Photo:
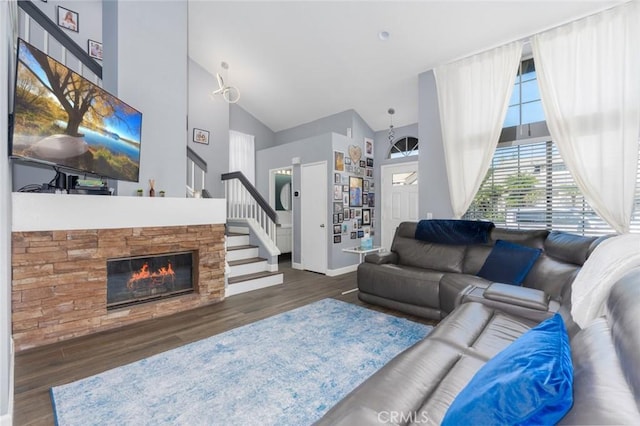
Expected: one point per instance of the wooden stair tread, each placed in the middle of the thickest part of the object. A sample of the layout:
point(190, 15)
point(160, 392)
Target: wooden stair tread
point(247, 277)
point(246, 261)
point(244, 247)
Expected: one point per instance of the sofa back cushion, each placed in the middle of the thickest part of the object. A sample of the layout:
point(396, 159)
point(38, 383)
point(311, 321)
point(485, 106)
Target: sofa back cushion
point(420, 254)
point(569, 248)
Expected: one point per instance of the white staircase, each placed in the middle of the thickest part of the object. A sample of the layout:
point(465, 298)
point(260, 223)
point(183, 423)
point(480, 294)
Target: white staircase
point(247, 271)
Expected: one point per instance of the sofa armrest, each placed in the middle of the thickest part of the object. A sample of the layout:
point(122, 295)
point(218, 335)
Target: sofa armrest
point(382, 258)
point(519, 296)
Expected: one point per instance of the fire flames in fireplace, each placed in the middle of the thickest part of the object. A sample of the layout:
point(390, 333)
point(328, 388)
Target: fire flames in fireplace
point(145, 279)
point(141, 279)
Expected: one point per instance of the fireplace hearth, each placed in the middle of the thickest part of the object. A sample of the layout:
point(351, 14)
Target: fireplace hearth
point(135, 280)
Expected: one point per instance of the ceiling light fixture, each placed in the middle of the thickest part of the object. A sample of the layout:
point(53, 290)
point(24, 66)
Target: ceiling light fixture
point(229, 93)
point(391, 135)
point(384, 35)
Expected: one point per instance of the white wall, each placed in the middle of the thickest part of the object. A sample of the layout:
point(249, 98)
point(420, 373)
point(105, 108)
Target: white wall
point(149, 73)
point(6, 356)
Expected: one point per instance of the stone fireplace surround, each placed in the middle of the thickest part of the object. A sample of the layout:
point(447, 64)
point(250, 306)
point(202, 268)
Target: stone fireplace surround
point(60, 247)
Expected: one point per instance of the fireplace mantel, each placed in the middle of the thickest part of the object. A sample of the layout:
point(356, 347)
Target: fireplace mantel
point(61, 245)
point(54, 212)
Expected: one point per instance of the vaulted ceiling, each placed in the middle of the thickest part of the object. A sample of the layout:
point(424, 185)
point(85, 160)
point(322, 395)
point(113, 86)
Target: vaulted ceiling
point(297, 61)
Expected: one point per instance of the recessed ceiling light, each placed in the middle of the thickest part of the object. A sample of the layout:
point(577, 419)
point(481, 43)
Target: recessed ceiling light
point(384, 35)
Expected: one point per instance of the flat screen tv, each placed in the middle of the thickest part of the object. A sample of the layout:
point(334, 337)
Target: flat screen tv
point(62, 119)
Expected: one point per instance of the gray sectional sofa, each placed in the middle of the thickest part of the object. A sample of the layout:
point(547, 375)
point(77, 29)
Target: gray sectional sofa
point(481, 319)
point(421, 383)
point(429, 280)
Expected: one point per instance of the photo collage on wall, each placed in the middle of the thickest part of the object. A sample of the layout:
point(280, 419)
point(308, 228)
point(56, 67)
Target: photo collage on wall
point(353, 193)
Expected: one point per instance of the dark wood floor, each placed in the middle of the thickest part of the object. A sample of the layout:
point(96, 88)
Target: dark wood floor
point(39, 369)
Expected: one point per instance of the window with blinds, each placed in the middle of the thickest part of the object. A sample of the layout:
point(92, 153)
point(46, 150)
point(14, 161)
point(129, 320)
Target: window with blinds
point(529, 187)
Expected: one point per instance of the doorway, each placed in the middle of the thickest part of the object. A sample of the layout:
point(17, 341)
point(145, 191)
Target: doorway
point(280, 199)
point(399, 196)
point(313, 216)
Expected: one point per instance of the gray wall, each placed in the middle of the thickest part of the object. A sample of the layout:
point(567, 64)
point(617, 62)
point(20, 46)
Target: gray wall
point(5, 222)
point(90, 27)
point(433, 181)
point(212, 114)
point(151, 70)
point(336, 123)
point(242, 121)
point(310, 150)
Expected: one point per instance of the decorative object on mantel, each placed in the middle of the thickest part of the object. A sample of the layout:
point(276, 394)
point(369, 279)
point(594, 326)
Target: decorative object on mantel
point(140, 192)
point(229, 93)
point(162, 193)
point(201, 136)
point(152, 191)
point(355, 153)
point(391, 135)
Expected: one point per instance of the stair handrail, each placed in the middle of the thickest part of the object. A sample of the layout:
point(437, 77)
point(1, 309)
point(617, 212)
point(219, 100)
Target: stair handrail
point(54, 31)
point(264, 205)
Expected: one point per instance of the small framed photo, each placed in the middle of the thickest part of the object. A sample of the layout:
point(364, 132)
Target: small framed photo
point(353, 235)
point(347, 214)
point(345, 199)
point(365, 199)
point(337, 239)
point(338, 161)
point(369, 172)
point(366, 217)
point(68, 19)
point(345, 188)
point(94, 49)
point(338, 208)
point(362, 163)
point(360, 234)
point(347, 161)
point(365, 188)
point(372, 199)
point(337, 229)
point(201, 136)
point(340, 217)
point(368, 146)
point(337, 178)
point(369, 162)
point(337, 192)
point(335, 218)
point(355, 191)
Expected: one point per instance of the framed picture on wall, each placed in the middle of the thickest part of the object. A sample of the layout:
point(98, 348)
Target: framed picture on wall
point(355, 191)
point(366, 217)
point(201, 136)
point(365, 188)
point(337, 192)
point(368, 147)
point(94, 49)
point(338, 161)
point(369, 162)
point(337, 239)
point(68, 19)
point(337, 178)
point(338, 207)
point(365, 199)
point(337, 229)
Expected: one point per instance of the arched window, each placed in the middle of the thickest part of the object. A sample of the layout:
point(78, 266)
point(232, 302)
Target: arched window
point(404, 147)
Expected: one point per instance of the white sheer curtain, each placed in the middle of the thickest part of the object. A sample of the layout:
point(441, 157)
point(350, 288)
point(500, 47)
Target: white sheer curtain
point(473, 96)
point(589, 78)
point(242, 154)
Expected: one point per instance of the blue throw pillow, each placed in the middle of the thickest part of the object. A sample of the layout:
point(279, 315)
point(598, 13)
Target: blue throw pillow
point(530, 382)
point(509, 263)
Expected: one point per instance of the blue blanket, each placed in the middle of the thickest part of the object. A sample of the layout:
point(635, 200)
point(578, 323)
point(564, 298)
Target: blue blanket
point(454, 231)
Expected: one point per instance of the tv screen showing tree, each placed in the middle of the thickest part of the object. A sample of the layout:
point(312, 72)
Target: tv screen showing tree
point(62, 118)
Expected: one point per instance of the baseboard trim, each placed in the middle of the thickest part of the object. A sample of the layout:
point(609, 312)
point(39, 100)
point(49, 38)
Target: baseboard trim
point(7, 419)
point(341, 271)
point(297, 266)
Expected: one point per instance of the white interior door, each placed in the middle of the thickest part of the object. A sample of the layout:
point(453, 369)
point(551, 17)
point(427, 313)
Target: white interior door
point(313, 217)
point(399, 197)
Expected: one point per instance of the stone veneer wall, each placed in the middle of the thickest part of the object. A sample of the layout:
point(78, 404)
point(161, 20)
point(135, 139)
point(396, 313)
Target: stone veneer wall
point(59, 286)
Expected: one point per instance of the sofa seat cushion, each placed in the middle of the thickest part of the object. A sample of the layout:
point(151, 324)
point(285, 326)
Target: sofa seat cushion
point(406, 284)
point(451, 286)
point(424, 379)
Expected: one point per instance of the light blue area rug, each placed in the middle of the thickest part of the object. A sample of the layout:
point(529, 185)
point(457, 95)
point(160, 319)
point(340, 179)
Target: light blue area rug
point(288, 369)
